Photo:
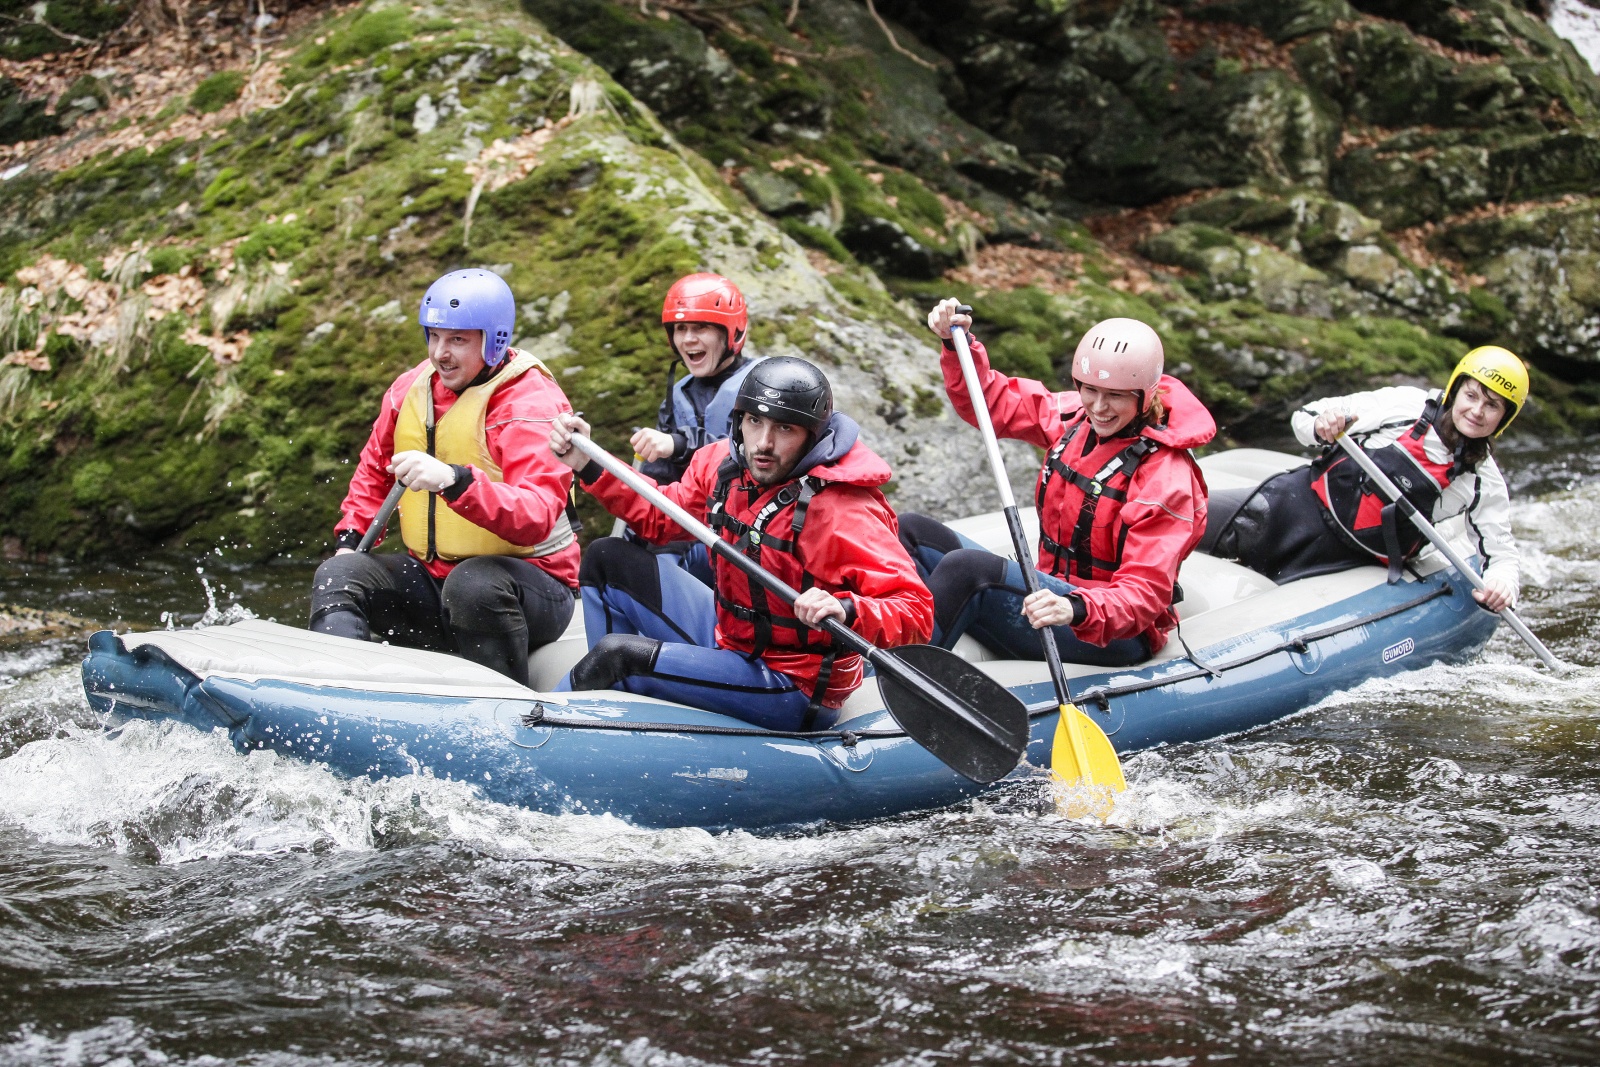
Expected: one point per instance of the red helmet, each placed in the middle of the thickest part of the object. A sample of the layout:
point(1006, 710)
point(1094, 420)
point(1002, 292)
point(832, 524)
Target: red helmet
point(707, 298)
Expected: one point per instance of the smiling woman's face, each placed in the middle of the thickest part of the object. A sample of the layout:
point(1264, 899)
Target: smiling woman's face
point(1477, 410)
point(1109, 410)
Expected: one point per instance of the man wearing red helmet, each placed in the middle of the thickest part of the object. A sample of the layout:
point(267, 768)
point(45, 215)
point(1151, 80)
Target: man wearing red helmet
point(706, 320)
point(1120, 498)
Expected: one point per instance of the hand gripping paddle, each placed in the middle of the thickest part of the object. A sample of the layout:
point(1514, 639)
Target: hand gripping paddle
point(1082, 760)
point(1409, 510)
point(969, 721)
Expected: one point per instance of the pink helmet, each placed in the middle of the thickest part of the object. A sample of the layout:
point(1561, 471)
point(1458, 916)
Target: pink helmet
point(1120, 354)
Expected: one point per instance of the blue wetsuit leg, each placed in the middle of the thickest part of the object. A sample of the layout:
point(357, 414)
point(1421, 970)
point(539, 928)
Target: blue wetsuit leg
point(977, 591)
point(994, 616)
point(629, 590)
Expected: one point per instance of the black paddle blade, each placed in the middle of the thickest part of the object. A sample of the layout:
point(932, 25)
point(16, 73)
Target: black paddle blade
point(973, 724)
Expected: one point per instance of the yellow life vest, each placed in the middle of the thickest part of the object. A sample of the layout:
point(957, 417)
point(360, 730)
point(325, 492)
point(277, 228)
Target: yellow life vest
point(431, 530)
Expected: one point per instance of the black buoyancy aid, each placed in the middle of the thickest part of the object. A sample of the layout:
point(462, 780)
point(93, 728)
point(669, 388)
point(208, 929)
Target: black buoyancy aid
point(751, 614)
point(1363, 516)
point(1087, 550)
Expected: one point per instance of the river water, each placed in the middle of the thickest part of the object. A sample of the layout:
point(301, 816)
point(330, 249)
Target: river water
point(1406, 873)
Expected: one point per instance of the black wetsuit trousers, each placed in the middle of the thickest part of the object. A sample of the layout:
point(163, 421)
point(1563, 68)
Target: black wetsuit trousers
point(492, 610)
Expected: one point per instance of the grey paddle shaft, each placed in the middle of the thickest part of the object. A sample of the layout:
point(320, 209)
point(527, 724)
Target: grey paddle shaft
point(1392, 491)
point(619, 527)
point(381, 522)
point(980, 408)
point(883, 661)
point(1019, 540)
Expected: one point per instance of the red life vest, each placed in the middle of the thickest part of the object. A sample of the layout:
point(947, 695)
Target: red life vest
point(1366, 519)
point(747, 614)
point(1079, 498)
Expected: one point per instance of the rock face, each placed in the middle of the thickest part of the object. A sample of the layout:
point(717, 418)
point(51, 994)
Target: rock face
point(210, 264)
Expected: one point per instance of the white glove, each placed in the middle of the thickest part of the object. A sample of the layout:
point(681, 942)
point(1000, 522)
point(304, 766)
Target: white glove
point(422, 472)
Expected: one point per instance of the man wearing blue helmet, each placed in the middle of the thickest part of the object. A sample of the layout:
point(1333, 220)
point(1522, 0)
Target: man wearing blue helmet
point(491, 556)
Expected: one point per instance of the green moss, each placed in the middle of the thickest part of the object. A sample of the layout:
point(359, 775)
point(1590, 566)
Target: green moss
point(818, 238)
point(217, 91)
point(279, 240)
point(370, 32)
point(169, 260)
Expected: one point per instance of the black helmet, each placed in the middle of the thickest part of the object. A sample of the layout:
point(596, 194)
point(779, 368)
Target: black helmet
point(787, 389)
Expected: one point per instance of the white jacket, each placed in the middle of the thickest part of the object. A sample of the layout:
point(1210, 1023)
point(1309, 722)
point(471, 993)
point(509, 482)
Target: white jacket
point(1479, 499)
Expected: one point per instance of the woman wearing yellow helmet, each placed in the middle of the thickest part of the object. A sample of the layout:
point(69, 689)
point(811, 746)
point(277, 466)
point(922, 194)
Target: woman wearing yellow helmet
point(1438, 446)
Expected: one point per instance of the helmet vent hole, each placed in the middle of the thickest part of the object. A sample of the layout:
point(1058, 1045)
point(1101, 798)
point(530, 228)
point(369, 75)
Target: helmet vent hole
point(455, 303)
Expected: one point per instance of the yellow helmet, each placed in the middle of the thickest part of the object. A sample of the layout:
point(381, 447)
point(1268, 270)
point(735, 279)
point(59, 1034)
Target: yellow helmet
point(1497, 369)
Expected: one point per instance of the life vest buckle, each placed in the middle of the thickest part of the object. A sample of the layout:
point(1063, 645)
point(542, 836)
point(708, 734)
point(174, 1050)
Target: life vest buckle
point(1096, 488)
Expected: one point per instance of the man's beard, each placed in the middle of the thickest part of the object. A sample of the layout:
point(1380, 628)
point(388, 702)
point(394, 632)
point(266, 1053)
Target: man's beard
point(778, 475)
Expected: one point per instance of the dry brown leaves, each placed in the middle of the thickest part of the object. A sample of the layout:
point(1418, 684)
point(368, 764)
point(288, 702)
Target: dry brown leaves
point(1246, 45)
point(1415, 241)
point(153, 71)
point(1005, 267)
point(107, 314)
point(1123, 231)
point(823, 263)
point(808, 167)
point(505, 162)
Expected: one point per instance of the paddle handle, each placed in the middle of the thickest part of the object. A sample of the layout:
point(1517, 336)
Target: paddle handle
point(1019, 537)
point(980, 408)
point(1407, 508)
point(881, 660)
point(381, 521)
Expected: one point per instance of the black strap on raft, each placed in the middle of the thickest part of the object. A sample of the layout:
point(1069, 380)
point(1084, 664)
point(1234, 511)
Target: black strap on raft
point(749, 538)
point(1083, 562)
point(1100, 696)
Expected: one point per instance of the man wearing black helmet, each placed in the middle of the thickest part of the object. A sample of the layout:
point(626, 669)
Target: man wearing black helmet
point(793, 489)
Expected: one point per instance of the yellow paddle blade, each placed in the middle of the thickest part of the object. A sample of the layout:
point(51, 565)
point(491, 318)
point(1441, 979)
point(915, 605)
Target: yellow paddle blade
point(1085, 772)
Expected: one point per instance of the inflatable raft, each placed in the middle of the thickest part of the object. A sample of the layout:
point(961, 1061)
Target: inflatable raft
point(1256, 652)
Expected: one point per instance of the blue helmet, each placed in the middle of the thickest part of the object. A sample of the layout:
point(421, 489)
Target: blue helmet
point(472, 300)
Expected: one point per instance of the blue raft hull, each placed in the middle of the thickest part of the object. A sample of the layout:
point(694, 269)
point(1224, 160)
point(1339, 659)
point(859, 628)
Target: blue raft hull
point(655, 776)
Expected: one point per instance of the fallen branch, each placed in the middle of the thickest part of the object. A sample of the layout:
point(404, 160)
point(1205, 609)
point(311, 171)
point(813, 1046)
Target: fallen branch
point(896, 45)
point(42, 24)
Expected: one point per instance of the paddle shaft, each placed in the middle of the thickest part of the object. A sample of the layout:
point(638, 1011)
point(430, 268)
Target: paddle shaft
point(618, 528)
point(880, 659)
point(381, 521)
point(1409, 510)
point(1019, 539)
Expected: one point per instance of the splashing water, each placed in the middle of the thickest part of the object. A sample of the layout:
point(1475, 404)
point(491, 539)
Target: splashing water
point(1403, 873)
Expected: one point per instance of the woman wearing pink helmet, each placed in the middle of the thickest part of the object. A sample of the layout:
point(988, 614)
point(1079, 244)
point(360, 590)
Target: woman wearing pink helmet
point(1121, 503)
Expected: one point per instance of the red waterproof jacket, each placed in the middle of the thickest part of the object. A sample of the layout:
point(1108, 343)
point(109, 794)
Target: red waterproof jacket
point(1127, 565)
point(523, 508)
point(848, 545)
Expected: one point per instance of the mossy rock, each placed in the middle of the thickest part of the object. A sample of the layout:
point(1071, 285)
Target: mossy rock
point(1282, 20)
point(23, 118)
point(217, 91)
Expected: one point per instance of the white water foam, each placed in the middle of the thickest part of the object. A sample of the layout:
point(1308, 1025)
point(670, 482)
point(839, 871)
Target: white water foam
point(1579, 23)
point(169, 792)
